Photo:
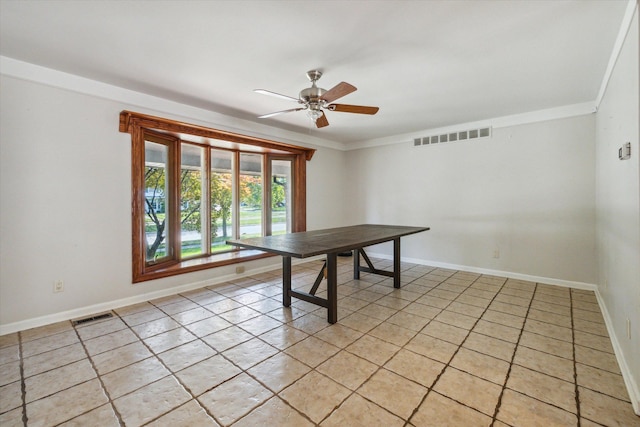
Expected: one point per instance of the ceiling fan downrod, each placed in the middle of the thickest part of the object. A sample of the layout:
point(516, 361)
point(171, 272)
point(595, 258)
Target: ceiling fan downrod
point(312, 96)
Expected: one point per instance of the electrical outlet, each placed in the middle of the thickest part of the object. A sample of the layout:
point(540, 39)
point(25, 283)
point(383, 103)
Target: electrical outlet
point(240, 269)
point(496, 253)
point(58, 286)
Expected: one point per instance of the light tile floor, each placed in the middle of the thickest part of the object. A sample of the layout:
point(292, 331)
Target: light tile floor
point(449, 348)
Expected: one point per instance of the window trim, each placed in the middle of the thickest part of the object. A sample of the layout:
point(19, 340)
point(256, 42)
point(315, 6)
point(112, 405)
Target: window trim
point(138, 124)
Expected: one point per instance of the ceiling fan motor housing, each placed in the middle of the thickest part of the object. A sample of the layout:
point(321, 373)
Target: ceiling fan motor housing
point(312, 95)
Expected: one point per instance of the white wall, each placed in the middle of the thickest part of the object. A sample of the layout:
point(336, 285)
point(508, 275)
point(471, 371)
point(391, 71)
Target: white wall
point(325, 188)
point(551, 197)
point(527, 192)
point(65, 186)
point(618, 206)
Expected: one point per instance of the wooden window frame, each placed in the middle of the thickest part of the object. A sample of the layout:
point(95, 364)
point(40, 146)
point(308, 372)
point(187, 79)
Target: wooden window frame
point(138, 125)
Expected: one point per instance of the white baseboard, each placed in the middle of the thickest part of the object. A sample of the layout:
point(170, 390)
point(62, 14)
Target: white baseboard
point(507, 274)
point(112, 305)
point(629, 381)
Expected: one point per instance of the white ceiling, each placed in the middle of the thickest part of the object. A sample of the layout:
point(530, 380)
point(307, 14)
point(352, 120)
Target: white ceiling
point(426, 64)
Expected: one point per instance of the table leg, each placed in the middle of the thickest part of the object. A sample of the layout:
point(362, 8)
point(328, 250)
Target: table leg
point(396, 263)
point(332, 288)
point(356, 264)
point(286, 281)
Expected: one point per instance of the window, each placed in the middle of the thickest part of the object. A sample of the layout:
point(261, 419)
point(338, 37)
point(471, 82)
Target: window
point(221, 183)
point(251, 195)
point(194, 188)
point(156, 188)
point(281, 182)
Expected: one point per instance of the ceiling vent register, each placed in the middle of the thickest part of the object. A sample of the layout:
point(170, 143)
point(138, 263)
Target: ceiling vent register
point(463, 135)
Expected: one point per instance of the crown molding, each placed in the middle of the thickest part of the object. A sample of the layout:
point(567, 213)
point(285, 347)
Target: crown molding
point(154, 105)
point(617, 47)
point(562, 112)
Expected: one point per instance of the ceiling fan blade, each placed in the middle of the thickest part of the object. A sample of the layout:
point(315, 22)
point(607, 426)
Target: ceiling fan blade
point(358, 109)
point(277, 95)
point(338, 91)
point(322, 121)
point(281, 112)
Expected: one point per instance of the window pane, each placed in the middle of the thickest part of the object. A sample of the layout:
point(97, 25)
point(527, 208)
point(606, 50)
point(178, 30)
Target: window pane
point(250, 195)
point(155, 193)
point(191, 209)
point(281, 196)
point(221, 199)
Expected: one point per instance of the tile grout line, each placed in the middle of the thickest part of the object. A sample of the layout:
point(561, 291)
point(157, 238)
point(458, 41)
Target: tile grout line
point(246, 371)
point(513, 356)
point(171, 373)
point(102, 386)
point(381, 366)
point(575, 367)
point(448, 364)
point(430, 388)
point(23, 384)
point(314, 369)
point(25, 416)
point(465, 339)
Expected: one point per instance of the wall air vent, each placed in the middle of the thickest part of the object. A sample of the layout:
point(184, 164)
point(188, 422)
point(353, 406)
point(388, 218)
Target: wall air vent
point(463, 135)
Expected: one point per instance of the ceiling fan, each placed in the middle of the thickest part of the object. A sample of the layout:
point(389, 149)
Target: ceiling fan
point(316, 100)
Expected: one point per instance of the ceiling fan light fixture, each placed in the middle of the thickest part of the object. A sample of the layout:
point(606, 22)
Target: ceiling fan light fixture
point(314, 114)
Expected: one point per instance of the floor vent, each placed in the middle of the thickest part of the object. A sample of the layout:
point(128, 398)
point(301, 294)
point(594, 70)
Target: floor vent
point(463, 135)
point(92, 319)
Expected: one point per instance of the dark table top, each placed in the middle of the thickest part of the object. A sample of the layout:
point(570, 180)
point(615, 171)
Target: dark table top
point(311, 243)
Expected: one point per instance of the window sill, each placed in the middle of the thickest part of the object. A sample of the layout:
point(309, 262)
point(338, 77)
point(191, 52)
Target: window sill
point(197, 264)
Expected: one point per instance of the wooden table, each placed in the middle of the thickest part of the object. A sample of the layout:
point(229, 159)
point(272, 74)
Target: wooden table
point(330, 242)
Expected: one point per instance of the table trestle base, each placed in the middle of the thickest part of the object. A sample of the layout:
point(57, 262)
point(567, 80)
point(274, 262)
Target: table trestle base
point(357, 268)
point(328, 270)
point(321, 275)
point(330, 242)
